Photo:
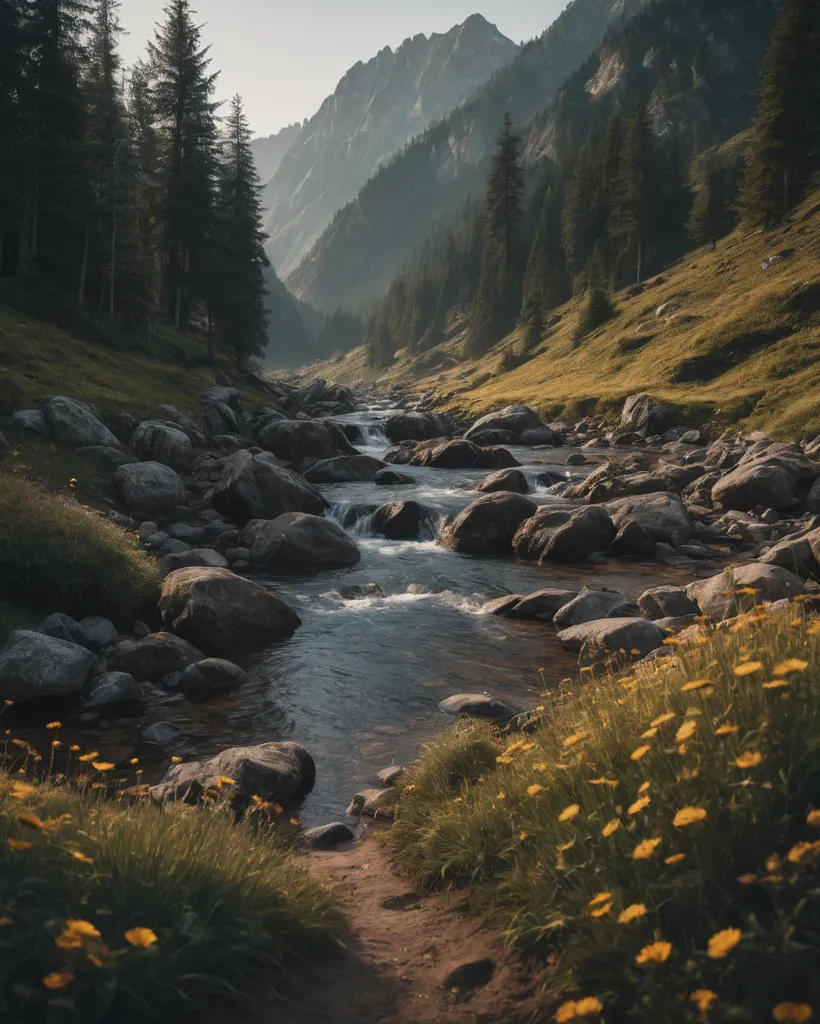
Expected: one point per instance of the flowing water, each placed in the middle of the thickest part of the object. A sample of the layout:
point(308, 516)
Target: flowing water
point(359, 684)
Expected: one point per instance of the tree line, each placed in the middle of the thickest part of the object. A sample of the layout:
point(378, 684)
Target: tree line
point(607, 212)
point(127, 188)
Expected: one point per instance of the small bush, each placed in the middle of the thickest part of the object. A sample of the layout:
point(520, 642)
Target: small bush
point(597, 309)
point(56, 556)
point(115, 912)
point(679, 804)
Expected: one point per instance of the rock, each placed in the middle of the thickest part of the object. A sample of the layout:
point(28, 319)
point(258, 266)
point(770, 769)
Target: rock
point(400, 454)
point(224, 395)
point(344, 468)
point(718, 597)
point(112, 688)
point(661, 515)
point(296, 542)
point(663, 602)
point(149, 487)
point(154, 656)
point(374, 803)
point(298, 440)
point(502, 606)
point(63, 627)
point(75, 425)
point(189, 426)
point(512, 480)
point(210, 677)
point(190, 534)
point(539, 436)
point(675, 623)
point(612, 636)
point(644, 415)
point(469, 976)
point(106, 458)
point(590, 605)
point(34, 665)
point(392, 478)
point(158, 442)
point(632, 541)
point(220, 419)
point(477, 705)
point(5, 447)
point(324, 837)
point(491, 438)
point(161, 734)
point(797, 554)
point(252, 487)
point(463, 455)
point(564, 535)
point(196, 557)
point(31, 421)
point(542, 605)
point(389, 776)
point(415, 426)
point(399, 520)
point(755, 484)
point(576, 459)
point(515, 418)
point(488, 525)
point(277, 772)
point(358, 591)
point(223, 612)
point(98, 632)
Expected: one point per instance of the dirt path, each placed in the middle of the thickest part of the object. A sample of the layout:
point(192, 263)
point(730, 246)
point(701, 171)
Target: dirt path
point(401, 949)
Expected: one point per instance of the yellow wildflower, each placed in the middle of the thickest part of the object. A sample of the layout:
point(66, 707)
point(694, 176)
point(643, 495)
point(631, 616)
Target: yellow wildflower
point(747, 668)
point(723, 942)
point(140, 937)
point(19, 845)
point(776, 684)
point(703, 999)
point(747, 879)
point(813, 819)
point(790, 665)
point(800, 851)
point(645, 849)
point(569, 813)
point(751, 759)
point(603, 910)
point(602, 897)
point(792, 1013)
point(534, 790)
point(566, 846)
point(81, 857)
point(584, 1007)
point(58, 980)
point(567, 1011)
point(696, 684)
point(686, 731)
point(29, 820)
point(102, 766)
point(649, 734)
point(689, 816)
point(540, 766)
point(644, 786)
point(54, 725)
point(727, 730)
point(76, 933)
point(176, 760)
point(576, 737)
point(663, 719)
point(90, 756)
point(612, 783)
point(632, 913)
point(654, 953)
point(22, 791)
point(639, 805)
point(610, 827)
point(639, 753)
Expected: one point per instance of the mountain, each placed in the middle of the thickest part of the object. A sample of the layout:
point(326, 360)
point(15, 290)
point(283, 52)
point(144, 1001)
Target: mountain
point(430, 179)
point(269, 151)
point(376, 109)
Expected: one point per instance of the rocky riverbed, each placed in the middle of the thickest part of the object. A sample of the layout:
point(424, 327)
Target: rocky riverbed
point(339, 565)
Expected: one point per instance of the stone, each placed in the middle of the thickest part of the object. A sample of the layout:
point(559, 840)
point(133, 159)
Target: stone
point(661, 515)
point(415, 426)
point(185, 559)
point(675, 623)
point(112, 688)
point(31, 421)
point(34, 665)
point(501, 606)
point(488, 525)
point(222, 394)
point(392, 478)
point(187, 532)
point(644, 415)
point(576, 459)
point(463, 454)
point(98, 632)
point(797, 554)
point(399, 520)
point(223, 612)
point(748, 486)
point(106, 458)
point(390, 776)
point(161, 734)
point(718, 598)
point(252, 487)
point(662, 602)
point(469, 976)
point(159, 442)
point(491, 438)
point(344, 469)
point(220, 420)
point(210, 677)
point(563, 535)
point(154, 656)
point(477, 705)
point(514, 418)
point(324, 837)
point(590, 605)
point(613, 635)
point(298, 440)
point(542, 605)
point(374, 803)
point(512, 480)
point(632, 541)
point(76, 425)
point(149, 487)
point(297, 542)
point(540, 437)
point(360, 591)
point(63, 627)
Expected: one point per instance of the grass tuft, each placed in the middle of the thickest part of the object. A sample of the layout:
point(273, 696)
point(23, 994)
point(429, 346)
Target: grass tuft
point(658, 833)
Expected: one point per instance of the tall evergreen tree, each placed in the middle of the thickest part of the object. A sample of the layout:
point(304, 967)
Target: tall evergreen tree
point(545, 279)
point(182, 89)
point(12, 86)
point(237, 289)
point(786, 143)
point(713, 213)
point(577, 230)
point(636, 210)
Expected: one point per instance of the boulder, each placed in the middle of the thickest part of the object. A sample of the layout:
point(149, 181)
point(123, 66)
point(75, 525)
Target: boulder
point(542, 605)
point(106, 458)
point(399, 520)
point(415, 426)
point(324, 837)
point(220, 419)
point(374, 803)
point(161, 734)
point(391, 775)
point(154, 656)
point(222, 394)
point(277, 772)
point(666, 602)
point(661, 515)
point(512, 480)
point(463, 454)
point(632, 541)
point(359, 591)
point(298, 440)
point(31, 421)
point(739, 589)
point(34, 665)
point(223, 612)
point(98, 632)
point(753, 484)
point(297, 542)
point(488, 525)
point(501, 606)
point(490, 438)
point(478, 705)
point(76, 425)
point(149, 487)
point(63, 627)
point(515, 419)
point(392, 478)
point(539, 436)
point(210, 677)
point(112, 688)
point(644, 415)
point(344, 469)
point(253, 487)
point(199, 557)
point(159, 442)
point(189, 426)
point(637, 637)
point(564, 535)
point(590, 605)
point(800, 555)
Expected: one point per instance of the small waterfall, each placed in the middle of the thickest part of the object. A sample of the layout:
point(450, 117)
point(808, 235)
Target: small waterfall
point(354, 518)
point(373, 434)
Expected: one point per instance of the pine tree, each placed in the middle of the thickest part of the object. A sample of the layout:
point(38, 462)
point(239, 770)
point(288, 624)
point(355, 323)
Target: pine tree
point(577, 232)
point(182, 88)
point(637, 208)
point(145, 147)
point(237, 288)
point(545, 281)
point(12, 85)
point(786, 139)
point(713, 213)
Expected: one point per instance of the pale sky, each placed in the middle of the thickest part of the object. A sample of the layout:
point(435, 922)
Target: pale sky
point(286, 56)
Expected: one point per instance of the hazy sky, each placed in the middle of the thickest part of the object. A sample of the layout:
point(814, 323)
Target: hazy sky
point(285, 56)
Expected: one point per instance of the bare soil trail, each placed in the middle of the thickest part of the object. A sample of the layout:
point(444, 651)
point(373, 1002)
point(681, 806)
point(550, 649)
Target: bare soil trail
point(401, 948)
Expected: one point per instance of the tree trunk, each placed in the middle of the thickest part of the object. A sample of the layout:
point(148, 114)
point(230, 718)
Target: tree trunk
point(84, 268)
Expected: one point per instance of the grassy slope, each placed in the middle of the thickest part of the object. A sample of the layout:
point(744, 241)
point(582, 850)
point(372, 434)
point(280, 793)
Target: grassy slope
point(755, 335)
point(548, 831)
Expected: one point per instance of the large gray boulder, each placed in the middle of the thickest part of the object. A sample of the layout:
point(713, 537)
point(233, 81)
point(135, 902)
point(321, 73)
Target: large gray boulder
point(210, 677)
point(188, 425)
point(399, 520)
point(76, 425)
point(663, 516)
point(277, 772)
point(222, 612)
point(488, 525)
point(159, 442)
point(753, 484)
point(463, 454)
point(515, 419)
point(564, 535)
point(478, 705)
point(149, 487)
point(739, 589)
point(195, 557)
point(542, 605)
point(643, 414)
point(800, 555)
point(666, 602)
point(31, 421)
point(297, 542)
point(415, 426)
point(154, 656)
point(111, 689)
point(98, 632)
point(254, 487)
point(34, 665)
point(298, 440)
point(590, 605)
point(637, 637)
point(344, 469)
point(504, 480)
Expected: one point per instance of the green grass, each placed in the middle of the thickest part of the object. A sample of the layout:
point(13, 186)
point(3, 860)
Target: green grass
point(56, 555)
point(525, 826)
point(228, 907)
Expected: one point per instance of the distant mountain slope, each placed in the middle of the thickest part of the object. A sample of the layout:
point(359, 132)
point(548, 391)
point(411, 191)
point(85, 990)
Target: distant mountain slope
point(269, 151)
point(376, 109)
point(368, 240)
